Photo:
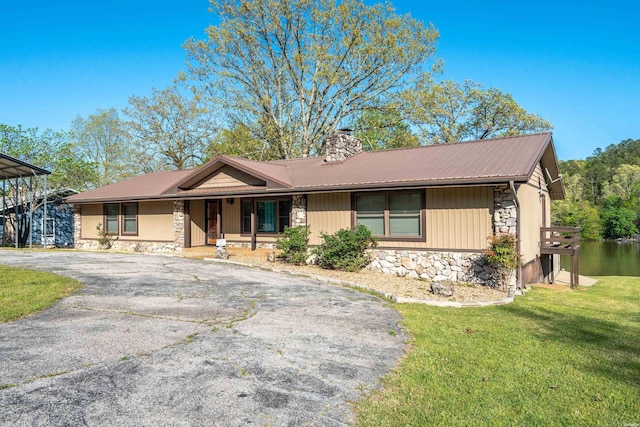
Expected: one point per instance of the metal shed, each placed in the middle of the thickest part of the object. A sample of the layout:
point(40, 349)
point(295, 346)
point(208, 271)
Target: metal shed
point(21, 175)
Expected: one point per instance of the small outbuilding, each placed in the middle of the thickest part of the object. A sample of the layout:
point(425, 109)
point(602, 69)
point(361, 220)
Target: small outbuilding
point(20, 181)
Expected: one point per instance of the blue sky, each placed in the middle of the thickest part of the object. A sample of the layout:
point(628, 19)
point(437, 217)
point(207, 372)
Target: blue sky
point(576, 63)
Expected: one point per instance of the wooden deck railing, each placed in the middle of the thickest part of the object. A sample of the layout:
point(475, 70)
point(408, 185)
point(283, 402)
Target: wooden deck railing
point(562, 241)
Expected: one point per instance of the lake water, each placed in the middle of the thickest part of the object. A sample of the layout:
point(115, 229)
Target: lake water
point(607, 259)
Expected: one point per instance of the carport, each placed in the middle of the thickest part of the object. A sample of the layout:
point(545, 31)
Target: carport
point(18, 193)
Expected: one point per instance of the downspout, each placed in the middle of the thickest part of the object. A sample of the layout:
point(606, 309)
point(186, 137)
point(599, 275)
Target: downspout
point(518, 220)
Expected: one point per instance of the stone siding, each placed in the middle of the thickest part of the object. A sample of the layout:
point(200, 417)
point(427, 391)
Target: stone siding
point(505, 216)
point(468, 267)
point(299, 210)
point(77, 225)
point(341, 145)
point(128, 246)
point(178, 225)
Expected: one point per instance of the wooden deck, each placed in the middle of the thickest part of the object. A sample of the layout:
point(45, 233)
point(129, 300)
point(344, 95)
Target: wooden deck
point(563, 241)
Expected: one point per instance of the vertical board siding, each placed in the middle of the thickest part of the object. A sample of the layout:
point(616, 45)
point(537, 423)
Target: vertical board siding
point(92, 215)
point(538, 176)
point(459, 217)
point(197, 214)
point(231, 217)
point(230, 177)
point(155, 222)
point(327, 213)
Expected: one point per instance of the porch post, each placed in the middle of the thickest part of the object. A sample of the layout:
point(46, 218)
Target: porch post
point(30, 212)
point(253, 227)
point(4, 212)
point(219, 219)
point(15, 209)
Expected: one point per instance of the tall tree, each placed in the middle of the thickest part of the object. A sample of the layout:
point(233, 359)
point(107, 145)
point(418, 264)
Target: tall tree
point(300, 68)
point(449, 112)
point(173, 128)
point(101, 139)
point(380, 129)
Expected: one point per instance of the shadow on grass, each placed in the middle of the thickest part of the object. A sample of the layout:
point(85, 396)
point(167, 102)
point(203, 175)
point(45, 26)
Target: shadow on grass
point(613, 346)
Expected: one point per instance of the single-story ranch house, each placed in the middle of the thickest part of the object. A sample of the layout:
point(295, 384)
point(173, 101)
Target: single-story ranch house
point(431, 207)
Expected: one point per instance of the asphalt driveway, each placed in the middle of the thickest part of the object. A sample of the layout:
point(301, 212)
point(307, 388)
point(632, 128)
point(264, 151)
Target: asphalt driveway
point(155, 340)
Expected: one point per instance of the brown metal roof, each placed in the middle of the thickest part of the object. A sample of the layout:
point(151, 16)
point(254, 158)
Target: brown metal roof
point(487, 161)
point(149, 186)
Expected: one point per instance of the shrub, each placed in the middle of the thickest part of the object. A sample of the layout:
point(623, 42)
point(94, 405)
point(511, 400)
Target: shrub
point(105, 239)
point(502, 253)
point(294, 243)
point(346, 249)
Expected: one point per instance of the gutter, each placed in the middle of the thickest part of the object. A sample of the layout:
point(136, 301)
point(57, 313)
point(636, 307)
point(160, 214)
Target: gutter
point(517, 202)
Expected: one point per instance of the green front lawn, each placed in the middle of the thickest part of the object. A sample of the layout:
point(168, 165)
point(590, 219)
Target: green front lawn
point(24, 292)
point(550, 358)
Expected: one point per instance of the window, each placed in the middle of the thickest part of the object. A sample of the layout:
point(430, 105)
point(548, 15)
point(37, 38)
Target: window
point(111, 212)
point(284, 214)
point(272, 216)
point(247, 208)
point(404, 214)
point(390, 214)
point(130, 218)
point(370, 212)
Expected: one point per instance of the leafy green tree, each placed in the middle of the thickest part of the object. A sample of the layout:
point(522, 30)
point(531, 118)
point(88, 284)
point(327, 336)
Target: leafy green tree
point(577, 213)
point(172, 129)
point(242, 140)
point(300, 68)
point(449, 112)
point(626, 181)
point(617, 220)
point(69, 170)
point(380, 129)
point(49, 150)
point(101, 139)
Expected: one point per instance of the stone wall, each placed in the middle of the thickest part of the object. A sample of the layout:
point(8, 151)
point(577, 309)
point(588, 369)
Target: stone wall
point(77, 224)
point(178, 225)
point(299, 210)
point(341, 145)
point(128, 246)
point(505, 216)
point(468, 267)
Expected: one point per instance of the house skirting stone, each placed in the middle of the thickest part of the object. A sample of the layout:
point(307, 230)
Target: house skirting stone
point(128, 246)
point(457, 267)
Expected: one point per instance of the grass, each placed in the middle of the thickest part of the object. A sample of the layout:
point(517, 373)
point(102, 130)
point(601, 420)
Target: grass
point(550, 358)
point(24, 292)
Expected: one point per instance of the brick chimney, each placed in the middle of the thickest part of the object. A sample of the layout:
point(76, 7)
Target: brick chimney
point(341, 145)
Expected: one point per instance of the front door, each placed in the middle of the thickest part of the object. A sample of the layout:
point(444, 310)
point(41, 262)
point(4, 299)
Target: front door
point(213, 216)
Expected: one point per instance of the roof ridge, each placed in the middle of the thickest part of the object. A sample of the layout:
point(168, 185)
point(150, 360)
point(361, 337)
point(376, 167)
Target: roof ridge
point(445, 144)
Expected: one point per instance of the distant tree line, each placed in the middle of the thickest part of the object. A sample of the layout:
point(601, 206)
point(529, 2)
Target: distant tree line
point(603, 192)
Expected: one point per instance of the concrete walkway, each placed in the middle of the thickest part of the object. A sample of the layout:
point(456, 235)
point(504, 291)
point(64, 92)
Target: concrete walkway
point(564, 278)
point(155, 340)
